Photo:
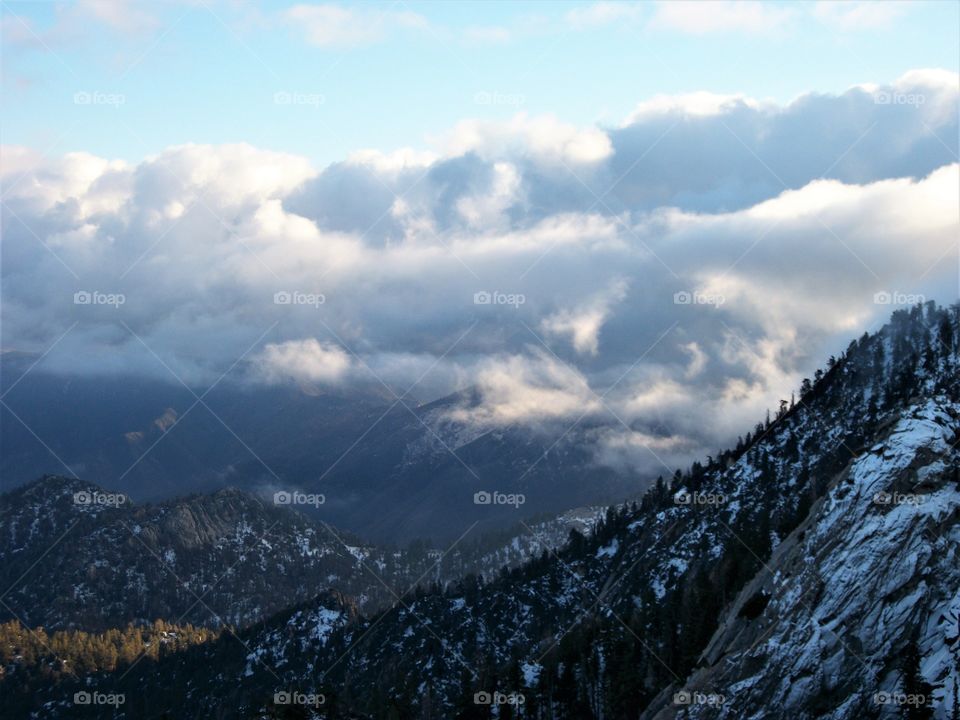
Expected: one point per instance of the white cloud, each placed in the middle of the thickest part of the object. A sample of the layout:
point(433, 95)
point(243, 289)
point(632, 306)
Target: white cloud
point(485, 210)
point(122, 15)
point(697, 104)
point(338, 26)
point(392, 162)
point(701, 18)
point(544, 137)
point(487, 35)
point(582, 324)
point(698, 360)
point(852, 15)
point(529, 388)
point(604, 13)
point(303, 360)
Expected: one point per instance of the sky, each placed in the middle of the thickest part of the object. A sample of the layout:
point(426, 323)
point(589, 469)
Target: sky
point(651, 214)
point(400, 74)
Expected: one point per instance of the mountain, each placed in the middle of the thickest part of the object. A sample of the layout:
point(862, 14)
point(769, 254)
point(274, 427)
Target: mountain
point(808, 572)
point(871, 576)
point(390, 472)
point(73, 555)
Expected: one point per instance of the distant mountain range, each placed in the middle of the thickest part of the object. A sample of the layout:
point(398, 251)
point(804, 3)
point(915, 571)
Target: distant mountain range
point(810, 571)
point(387, 472)
point(224, 558)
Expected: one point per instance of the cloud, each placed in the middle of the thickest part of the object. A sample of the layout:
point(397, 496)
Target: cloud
point(853, 16)
point(583, 323)
point(544, 137)
point(711, 153)
point(534, 387)
point(603, 13)
point(120, 15)
point(486, 209)
point(368, 270)
point(698, 360)
point(701, 18)
point(487, 35)
point(689, 105)
point(80, 22)
point(338, 26)
point(303, 360)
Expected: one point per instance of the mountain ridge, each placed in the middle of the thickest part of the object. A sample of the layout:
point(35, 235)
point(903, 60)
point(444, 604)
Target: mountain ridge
point(619, 619)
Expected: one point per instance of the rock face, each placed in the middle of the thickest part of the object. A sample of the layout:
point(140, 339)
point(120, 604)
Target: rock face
point(874, 569)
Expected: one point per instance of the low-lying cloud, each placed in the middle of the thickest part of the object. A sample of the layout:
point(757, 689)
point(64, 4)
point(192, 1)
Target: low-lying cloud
point(694, 262)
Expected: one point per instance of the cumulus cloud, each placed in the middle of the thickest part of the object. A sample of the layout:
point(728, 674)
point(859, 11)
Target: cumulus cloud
point(545, 138)
point(684, 105)
point(486, 209)
point(697, 260)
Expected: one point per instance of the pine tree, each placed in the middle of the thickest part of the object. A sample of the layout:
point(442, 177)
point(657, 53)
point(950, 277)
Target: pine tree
point(914, 685)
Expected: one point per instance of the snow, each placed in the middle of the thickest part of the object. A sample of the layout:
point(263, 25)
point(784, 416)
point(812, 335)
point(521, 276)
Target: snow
point(326, 621)
point(531, 673)
point(733, 507)
point(609, 550)
point(658, 589)
point(866, 572)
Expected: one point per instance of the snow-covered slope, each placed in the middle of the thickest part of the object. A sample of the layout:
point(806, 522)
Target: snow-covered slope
point(875, 568)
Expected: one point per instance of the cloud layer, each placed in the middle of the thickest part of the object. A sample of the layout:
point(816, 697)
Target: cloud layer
point(692, 263)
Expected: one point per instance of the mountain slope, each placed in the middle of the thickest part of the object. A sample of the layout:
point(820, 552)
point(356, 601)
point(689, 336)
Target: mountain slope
point(228, 557)
point(618, 620)
point(873, 571)
point(208, 559)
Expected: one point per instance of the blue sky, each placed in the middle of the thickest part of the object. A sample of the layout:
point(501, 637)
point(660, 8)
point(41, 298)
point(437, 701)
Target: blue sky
point(390, 75)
